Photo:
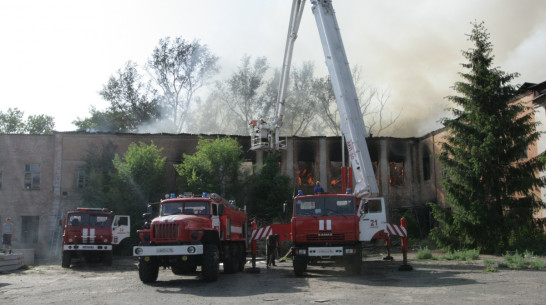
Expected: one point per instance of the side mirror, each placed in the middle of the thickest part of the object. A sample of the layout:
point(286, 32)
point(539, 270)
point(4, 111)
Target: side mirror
point(147, 216)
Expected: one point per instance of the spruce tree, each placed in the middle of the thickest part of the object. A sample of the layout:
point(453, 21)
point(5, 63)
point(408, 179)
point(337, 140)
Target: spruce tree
point(489, 183)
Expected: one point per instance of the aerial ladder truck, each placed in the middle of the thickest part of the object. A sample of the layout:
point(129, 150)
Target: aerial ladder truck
point(332, 226)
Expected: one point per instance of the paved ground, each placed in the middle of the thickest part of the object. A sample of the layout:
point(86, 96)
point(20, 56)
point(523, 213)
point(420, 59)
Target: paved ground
point(431, 282)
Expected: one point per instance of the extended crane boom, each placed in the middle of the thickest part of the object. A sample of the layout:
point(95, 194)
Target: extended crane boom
point(266, 136)
point(352, 122)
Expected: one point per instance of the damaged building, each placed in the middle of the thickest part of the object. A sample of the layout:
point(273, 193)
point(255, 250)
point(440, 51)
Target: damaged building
point(41, 176)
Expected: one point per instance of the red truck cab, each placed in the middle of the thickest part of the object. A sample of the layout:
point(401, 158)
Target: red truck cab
point(90, 233)
point(190, 232)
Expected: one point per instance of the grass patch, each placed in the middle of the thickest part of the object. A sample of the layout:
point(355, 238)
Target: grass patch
point(463, 255)
point(522, 261)
point(489, 266)
point(424, 253)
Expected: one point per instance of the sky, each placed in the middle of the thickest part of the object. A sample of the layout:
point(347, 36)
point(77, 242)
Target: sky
point(55, 56)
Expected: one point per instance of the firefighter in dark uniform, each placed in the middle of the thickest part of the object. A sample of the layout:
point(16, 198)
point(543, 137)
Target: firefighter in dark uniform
point(271, 243)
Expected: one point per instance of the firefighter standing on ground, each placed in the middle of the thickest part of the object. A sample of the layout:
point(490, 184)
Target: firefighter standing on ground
point(271, 244)
point(7, 230)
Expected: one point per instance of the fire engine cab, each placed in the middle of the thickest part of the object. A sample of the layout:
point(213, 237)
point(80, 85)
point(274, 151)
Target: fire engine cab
point(331, 226)
point(190, 232)
point(91, 233)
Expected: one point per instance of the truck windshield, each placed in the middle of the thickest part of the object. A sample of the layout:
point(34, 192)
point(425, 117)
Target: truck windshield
point(97, 220)
point(186, 208)
point(324, 206)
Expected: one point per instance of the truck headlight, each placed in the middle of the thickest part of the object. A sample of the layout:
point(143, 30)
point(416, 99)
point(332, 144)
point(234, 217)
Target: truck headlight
point(350, 251)
point(70, 240)
point(138, 251)
point(191, 249)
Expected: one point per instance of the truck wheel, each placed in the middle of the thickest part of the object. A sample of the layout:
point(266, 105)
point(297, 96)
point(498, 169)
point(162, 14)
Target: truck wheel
point(235, 256)
point(300, 265)
point(148, 269)
point(66, 259)
point(107, 259)
point(242, 257)
point(353, 264)
point(210, 264)
point(230, 259)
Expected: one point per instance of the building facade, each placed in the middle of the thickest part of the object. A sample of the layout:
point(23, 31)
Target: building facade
point(41, 176)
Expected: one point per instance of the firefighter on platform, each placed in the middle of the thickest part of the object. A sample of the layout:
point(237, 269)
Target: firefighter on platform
point(271, 244)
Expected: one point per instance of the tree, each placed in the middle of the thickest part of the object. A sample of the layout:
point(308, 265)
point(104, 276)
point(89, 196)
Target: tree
point(100, 121)
point(99, 175)
point(12, 122)
point(301, 107)
point(372, 103)
point(214, 167)
point(489, 184)
point(268, 190)
point(132, 103)
point(40, 124)
point(180, 68)
point(142, 169)
point(242, 93)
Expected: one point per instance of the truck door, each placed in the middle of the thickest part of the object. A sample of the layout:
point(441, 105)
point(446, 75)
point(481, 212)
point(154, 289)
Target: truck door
point(373, 217)
point(121, 228)
point(216, 217)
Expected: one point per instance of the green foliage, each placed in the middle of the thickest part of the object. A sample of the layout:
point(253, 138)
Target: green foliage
point(522, 261)
point(214, 167)
point(268, 190)
point(489, 266)
point(142, 170)
point(124, 184)
point(424, 253)
point(132, 103)
point(12, 122)
point(464, 255)
point(488, 186)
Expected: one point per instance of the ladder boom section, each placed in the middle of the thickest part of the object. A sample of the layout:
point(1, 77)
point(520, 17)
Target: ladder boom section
point(293, 28)
point(266, 136)
point(352, 122)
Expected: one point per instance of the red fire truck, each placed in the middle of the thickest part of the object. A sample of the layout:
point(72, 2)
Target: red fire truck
point(331, 226)
point(190, 232)
point(91, 232)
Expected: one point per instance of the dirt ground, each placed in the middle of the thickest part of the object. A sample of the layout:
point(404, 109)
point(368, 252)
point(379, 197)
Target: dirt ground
point(430, 282)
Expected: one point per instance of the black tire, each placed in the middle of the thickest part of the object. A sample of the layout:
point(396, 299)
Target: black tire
point(231, 260)
point(107, 259)
point(353, 264)
point(148, 269)
point(66, 259)
point(242, 257)
point(300, 265)
point(236, 255)
point(211, 261)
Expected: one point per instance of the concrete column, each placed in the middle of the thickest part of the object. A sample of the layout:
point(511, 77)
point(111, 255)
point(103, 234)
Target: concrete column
point(323, 163)
point(408, 170)
point(56, 204)
point(259, 160)
point(383, 169)
point(289, 157)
